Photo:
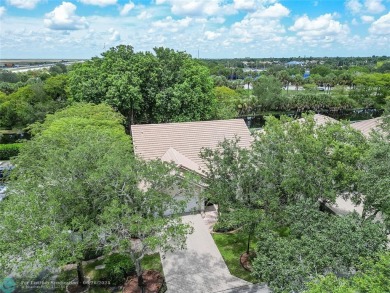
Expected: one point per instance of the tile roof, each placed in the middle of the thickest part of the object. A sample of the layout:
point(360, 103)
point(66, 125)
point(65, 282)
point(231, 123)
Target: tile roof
point(366, 126)
point(182, 142)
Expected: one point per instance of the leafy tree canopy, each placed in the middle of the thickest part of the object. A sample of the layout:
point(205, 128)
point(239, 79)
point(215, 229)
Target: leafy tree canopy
point(315, 243)
point(166, 86)
point(76, 182)
point(373, 276)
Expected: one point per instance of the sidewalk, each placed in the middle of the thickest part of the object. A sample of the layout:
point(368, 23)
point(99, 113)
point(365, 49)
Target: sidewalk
point(200, 268)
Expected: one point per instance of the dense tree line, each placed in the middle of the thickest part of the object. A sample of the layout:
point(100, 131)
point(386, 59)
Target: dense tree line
point(145, 87)
point(169, 86)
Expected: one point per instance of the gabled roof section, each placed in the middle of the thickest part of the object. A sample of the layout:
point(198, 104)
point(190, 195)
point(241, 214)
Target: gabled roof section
point(182, 161)
point(366, 126)
point(182, 142)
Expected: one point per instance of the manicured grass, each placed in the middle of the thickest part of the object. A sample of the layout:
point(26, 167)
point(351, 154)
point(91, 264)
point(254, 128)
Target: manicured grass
point(152, 262)
point(231, 246)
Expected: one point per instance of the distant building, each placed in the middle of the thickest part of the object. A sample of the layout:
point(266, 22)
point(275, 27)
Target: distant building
point(294, 63)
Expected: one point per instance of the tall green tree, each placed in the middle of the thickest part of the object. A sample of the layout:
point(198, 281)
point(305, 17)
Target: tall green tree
point(57, 192)
point(166, 86)
point(235, 184)
point(77, 181)
point(266, 90)
point(301, 159)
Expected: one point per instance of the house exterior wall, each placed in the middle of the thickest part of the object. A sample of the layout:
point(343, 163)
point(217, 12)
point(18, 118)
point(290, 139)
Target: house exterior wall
point(195, 203)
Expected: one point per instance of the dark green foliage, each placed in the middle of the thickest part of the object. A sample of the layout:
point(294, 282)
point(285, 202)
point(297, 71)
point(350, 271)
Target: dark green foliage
point(7, 151)
point(117, 268)
point(32, 102)
point(8, 76)
point(317, 243)
point(167, 86)
point(58, 69)
point(267, 90)
point(373, 276)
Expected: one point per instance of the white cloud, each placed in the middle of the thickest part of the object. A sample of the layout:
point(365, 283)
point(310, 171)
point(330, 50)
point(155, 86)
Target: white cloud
point(354, 6)
point(2, 11)
point(115, 35)
point(100, 3)
point(198, 7)
point(24, 4)
point(245, 4)
point(263, 24)
point(63, 17)
point(367, 18)
point(381, 26)
point(171, 25)
point(145, 15)
point(318, 27)
point(322, 32)
point(211, 35)
point(127, 8)
point(354, 22)
point(275, 11)
point(374, 6)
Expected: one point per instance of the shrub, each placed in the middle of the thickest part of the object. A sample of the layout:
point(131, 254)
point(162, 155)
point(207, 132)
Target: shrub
point(10, 150)
point(117, 268)
point(224, 226)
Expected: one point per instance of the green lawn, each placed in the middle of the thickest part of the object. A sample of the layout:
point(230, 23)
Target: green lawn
point(231, 246)
point(152, 262)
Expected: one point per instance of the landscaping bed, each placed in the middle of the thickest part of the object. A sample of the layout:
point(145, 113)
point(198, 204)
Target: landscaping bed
point(104, 279)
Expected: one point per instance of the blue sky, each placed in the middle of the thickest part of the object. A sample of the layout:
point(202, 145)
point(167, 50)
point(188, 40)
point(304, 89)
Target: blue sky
point(217, 28)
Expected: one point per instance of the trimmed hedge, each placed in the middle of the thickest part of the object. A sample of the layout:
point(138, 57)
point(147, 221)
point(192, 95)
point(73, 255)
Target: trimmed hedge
point(9, 150)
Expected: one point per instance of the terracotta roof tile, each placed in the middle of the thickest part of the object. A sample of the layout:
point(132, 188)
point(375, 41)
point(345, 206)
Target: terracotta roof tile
point(154, 141)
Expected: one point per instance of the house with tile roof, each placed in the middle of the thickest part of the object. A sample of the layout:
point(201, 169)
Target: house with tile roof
point(181, 143)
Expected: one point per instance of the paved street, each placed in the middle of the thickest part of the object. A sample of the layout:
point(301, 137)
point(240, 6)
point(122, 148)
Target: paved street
point(200, 268)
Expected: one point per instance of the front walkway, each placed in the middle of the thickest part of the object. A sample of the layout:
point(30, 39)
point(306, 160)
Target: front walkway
point(200, 268)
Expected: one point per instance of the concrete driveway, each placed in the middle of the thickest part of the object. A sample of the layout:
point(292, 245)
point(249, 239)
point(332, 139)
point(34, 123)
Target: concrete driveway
point(200, 268)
